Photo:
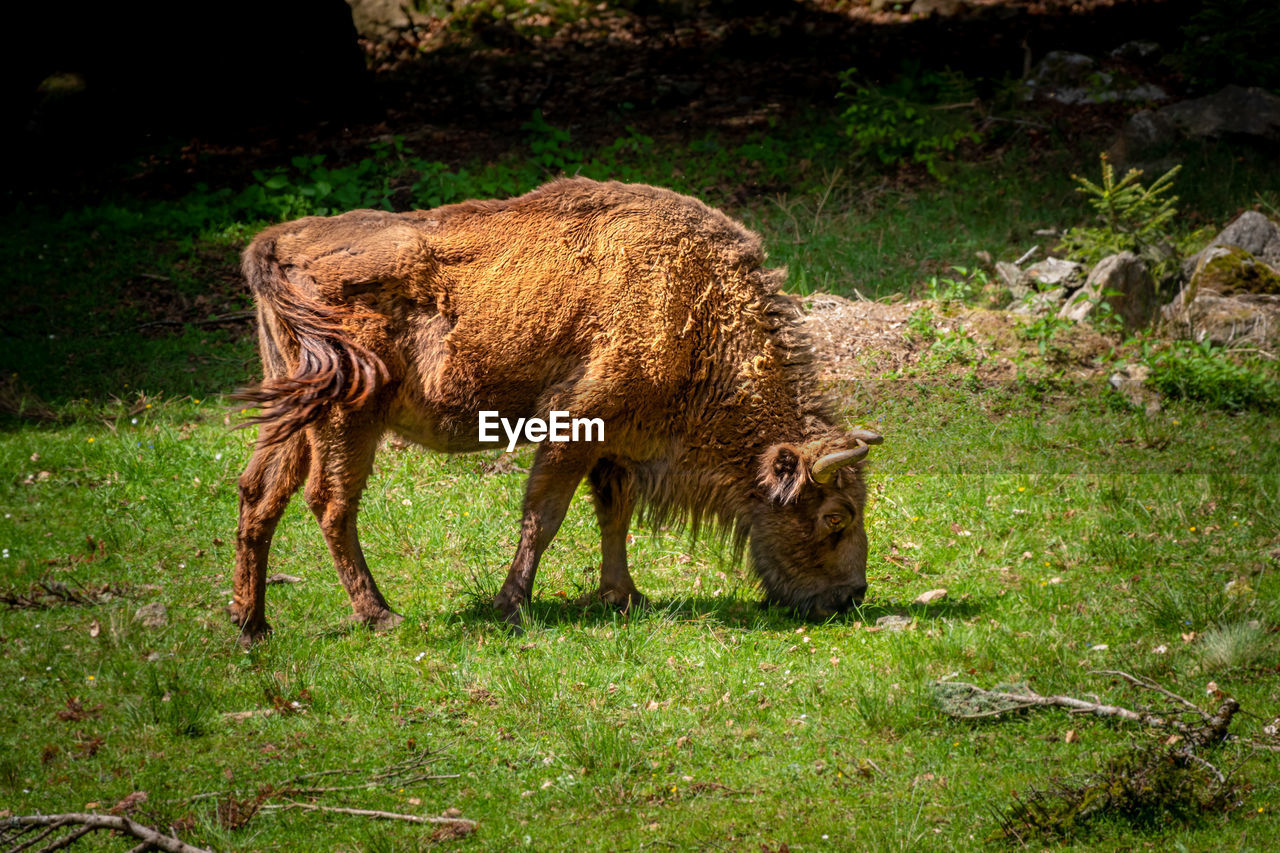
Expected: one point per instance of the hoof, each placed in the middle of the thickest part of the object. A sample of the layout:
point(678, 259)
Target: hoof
point(379, 621)
point(251, 634)
point(623, 599)
point(384, 621)
point(508, 610)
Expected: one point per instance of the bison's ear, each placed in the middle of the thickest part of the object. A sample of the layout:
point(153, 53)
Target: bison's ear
point(782, 472)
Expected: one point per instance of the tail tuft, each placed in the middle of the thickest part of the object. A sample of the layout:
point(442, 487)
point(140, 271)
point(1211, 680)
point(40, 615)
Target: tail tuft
point(330, 369)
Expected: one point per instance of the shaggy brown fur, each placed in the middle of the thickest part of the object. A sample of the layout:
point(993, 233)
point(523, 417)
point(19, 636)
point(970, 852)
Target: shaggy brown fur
point(628, 303)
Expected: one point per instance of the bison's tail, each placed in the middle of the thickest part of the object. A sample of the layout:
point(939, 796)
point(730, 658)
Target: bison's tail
point(294, 328)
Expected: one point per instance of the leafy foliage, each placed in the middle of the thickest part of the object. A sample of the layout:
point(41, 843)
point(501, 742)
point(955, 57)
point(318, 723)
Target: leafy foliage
point(968, 284)
point(921, 325)
point(920, 118)
point(954, 346)
point(1202, 371)
point(1043, 330)
point(1231, 41)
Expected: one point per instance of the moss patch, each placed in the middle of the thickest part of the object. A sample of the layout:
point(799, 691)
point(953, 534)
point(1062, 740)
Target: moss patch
point(1231, 270)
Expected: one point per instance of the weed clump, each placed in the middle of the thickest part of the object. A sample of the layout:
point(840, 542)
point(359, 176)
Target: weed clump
point(1144, 787)
point(1235, 645)
point(1200, 371)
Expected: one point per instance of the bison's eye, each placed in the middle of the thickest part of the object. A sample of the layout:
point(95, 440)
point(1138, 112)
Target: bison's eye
point(835, 520)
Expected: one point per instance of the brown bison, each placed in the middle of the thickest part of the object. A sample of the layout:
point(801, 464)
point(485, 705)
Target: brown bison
point(636, 306)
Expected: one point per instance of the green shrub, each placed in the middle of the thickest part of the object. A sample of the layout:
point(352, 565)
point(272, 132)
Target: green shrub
point(1203, 372)
point(919, 118)
point(967, 284)
point(1231, 41)
point(1130, 218)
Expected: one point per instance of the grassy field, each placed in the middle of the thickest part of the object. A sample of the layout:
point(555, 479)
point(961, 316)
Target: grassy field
point(1072, 533)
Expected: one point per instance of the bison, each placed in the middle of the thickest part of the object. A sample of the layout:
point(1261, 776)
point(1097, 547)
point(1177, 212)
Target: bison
point(634, 305)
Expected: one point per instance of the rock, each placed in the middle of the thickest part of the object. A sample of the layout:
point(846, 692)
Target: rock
point(1250, 231)
point(1228, 270)
point(1248, 113)
point(382, 18)
point(1010, 274)
point(930, 597)
point(1232, 297)
point(1015, 280)
point(941, 8)
point(1130, 381)
point(1254, 233)
point(1246, 318)
point(152, 615)
point(1039, 304)
point(1074, 78)
point(1123, 282)
point(1055, 272)
point(281, 577)
point(1133, 51)
point(893, 622)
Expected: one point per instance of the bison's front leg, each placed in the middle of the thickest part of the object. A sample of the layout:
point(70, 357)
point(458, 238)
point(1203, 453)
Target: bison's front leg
point(557, 470)
point(274, 473)
point(613, 490)
point(342, 453)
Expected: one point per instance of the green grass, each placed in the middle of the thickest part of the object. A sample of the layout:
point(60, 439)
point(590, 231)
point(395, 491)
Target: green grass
point(706, 721)
point(1059, 520)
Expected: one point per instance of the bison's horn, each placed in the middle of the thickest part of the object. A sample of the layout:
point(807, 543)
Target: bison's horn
point(826, 467)
point(866, 436)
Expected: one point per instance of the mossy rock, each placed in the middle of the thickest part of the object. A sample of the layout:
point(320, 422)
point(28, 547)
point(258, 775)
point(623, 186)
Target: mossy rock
point(1230, 270)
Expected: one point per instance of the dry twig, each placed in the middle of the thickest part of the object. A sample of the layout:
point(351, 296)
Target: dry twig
point(46, 593)
point(1212, 727)
point(411, 818)
point(86, 823)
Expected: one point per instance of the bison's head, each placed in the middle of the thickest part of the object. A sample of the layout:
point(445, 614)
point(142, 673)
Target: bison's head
point(807, 540)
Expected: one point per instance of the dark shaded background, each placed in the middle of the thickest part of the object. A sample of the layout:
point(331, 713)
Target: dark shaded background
point(143, 89)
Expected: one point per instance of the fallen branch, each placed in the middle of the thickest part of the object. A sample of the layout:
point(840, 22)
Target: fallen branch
point(89, 823)
point(365, 786)
point(470, 825)
point(1148, 684)
point(1212, 727)
point(1152, 782)
point(393, 774)
point(46, 593)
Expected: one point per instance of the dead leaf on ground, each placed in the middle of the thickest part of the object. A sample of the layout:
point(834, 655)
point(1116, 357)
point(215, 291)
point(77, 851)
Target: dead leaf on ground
point(88, 747)
point(452, 831)
point(76, 712)
point(129, 803)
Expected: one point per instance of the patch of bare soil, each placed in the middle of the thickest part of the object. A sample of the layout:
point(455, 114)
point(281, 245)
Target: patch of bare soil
point(871, 340)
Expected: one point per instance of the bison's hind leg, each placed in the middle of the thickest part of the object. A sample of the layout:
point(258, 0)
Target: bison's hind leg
point(274, 473)
point(342, 451)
